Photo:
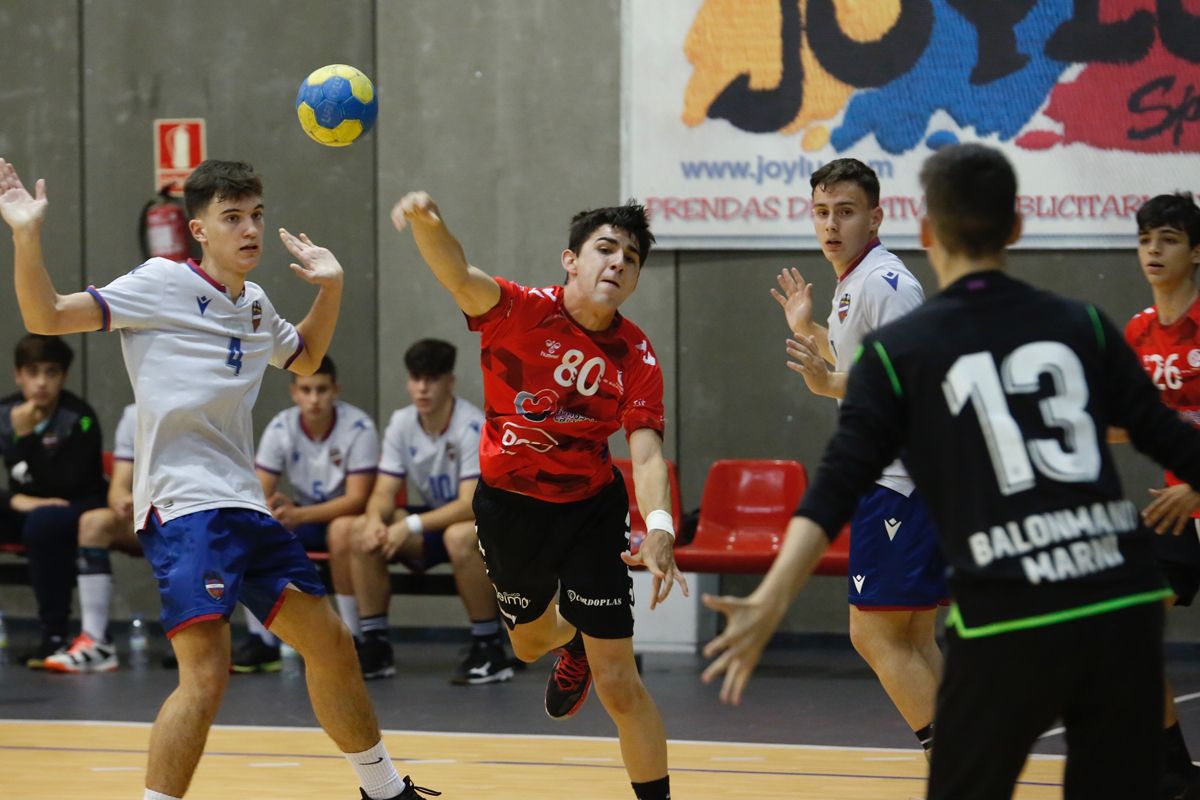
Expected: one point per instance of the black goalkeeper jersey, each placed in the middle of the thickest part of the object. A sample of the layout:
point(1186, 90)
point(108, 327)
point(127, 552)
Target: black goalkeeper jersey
point(998, 397)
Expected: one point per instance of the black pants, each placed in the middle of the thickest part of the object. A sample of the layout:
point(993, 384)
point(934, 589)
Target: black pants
point(51, 538)
point(1101, 675)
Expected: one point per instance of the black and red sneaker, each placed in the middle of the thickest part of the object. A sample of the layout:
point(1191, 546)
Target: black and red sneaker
point(569, 680)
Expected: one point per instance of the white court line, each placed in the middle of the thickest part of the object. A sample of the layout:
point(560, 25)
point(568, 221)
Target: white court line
point(1183, 698)
point(117, 769)
point(736, 758)
point(268, 764)
point(887, 758)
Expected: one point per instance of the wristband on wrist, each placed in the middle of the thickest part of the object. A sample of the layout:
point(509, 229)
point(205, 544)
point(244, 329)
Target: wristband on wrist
point(659, 520)
point(413, 521)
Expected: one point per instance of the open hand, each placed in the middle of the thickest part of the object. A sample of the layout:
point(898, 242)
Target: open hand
point(796, 300)
point(317, 264)
point(657, 555)
point(20, 209)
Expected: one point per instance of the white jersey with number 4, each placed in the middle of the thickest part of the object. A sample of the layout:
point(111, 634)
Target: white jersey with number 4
point(433, 464)
point(126, 430)
point(196, 358)
point(317, 468)
point(877, 289)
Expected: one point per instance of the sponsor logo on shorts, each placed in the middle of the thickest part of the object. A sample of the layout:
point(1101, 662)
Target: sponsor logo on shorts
point(214, 585)
point(512, 598)
point(575, 597)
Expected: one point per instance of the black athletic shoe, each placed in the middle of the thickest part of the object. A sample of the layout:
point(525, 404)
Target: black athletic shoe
point(410, 792)
point(485, 663)
point(1175, 786)
point(36, 658)
point(569, 680)
point(255, 655)
point(375, 656)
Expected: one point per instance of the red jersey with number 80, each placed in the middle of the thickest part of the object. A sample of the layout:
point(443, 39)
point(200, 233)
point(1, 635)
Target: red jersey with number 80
point(1170, 355)
point(554, 392)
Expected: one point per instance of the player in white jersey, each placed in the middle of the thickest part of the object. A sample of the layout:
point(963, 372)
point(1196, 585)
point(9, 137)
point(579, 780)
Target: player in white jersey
point(100, 531)
point(197, 339)
point(326, 450)
point(896, 575)
point(430, 448)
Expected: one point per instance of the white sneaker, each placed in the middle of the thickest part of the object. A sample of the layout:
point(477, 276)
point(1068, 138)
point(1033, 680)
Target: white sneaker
point(84, 655)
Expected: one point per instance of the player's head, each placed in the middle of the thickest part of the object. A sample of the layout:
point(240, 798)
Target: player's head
point(224, 204)
point(41, 367)
point(845, 209)
point(430, 364)
point(1169, 238)
point(315, 394)
point(605, 252)
point(970, 204)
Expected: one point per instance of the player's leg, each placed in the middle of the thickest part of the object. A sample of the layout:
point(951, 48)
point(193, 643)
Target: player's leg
point(1179, 560)
point(1116, 687)
point(100, 530)
point(883, 639)
point(341, 542)
point(51, 536)
point(373, 591)
point(486, 662)
point(181, 728)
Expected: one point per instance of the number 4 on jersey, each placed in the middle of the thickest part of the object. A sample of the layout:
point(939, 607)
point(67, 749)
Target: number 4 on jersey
point(234, 358)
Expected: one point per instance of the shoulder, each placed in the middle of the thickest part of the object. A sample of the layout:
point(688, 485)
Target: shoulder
point(467, 416)
point(1146, 318)
point(402, 421)
point(885, 273)
point(76, 405)
point(356, 418)
point(128, 415)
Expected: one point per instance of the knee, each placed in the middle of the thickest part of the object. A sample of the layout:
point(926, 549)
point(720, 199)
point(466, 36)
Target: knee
point(94, 530)
point(526, 650)
point(339, 537)
point(619, 688)
point(461, 542)
point(205, 682)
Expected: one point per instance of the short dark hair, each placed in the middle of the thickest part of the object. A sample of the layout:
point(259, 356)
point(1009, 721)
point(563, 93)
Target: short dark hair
point(327, 368)
point(970, 198)
point(631, 218)
point(1176, 210)
point(848, 170)
point(430, 358)
point(34, 348)
point(228, 180)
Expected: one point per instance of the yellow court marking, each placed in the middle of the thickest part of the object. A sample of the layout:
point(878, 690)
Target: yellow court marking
point(104, 761)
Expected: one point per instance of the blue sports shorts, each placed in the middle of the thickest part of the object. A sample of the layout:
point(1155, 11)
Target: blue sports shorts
point(895, 563)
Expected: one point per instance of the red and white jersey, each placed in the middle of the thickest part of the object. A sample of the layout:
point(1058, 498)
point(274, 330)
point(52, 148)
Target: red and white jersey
point(317, 468)
point(126, 430)
point(554, 392)
point(196, 358)
point(1170, 355)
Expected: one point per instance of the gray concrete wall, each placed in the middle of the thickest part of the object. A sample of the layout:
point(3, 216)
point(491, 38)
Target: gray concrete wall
point(508, 113)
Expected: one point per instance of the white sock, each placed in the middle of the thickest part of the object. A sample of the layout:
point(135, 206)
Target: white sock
point(347, 606)
point(94, 593)
point(376, 772)
point(255, 627)
point(150, 795)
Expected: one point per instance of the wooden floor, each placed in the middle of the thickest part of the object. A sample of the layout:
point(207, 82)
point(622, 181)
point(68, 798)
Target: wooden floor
point(104, 761)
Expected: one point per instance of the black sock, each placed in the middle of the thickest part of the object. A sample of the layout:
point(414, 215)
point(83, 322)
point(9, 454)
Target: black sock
point(375, 627)
point(654, 790)
point(1179, 761)
point(486, 631)
point(925, 736)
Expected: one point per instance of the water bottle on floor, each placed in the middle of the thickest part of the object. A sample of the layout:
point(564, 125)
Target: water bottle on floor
point(137, 641)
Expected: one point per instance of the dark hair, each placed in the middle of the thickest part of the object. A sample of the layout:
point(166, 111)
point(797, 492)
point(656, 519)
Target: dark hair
point(34, 348)
point(430, 358)
point(631, 218)
point(227, 180)
point(327, 368)
point(970, 197)
point(1176, 211)
point(848, 170)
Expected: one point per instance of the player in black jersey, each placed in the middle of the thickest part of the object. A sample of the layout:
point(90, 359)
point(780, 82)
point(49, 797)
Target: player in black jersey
point(998, 396)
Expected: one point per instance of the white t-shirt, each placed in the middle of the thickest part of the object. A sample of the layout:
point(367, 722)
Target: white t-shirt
point(874, 292)
point(317, 468)
point(434, 464)
point(196, 358)
point(126, 428)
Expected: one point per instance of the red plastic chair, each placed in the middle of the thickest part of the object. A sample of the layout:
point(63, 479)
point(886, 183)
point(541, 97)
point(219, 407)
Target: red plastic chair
point(637, 525)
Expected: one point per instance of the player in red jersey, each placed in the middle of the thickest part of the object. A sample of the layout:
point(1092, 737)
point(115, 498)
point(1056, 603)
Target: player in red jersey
point(563, 370)
point(1166, 337)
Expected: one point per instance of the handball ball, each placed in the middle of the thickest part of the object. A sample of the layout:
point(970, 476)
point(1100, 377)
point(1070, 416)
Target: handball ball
point(336, 105)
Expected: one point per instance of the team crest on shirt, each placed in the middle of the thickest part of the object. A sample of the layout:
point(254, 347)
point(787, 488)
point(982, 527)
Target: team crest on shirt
point(536, 407)
point(843, 307)
point(214, 585)
point(451, 451)
point(1193, 358)
point(335, 455)
point(255, 314)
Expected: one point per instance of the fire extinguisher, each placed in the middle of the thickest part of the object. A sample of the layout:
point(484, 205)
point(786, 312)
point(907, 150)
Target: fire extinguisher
point(163, 229)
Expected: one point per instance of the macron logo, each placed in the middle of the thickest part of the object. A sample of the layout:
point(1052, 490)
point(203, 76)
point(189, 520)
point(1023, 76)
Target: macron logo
point(203, 303)
point(892, 526)
point(859, 580)
point(893, 279)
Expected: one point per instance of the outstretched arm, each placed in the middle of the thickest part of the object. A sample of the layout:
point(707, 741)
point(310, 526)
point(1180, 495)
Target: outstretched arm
point(474, 290)
point(652, 486)
point(43, 309)
point(317, 266)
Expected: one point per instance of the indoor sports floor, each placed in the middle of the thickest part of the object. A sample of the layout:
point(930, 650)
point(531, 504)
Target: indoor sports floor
point(815, 726)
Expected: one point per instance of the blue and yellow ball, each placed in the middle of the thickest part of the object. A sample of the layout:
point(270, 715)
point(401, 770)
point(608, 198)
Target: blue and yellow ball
point(336, 105)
